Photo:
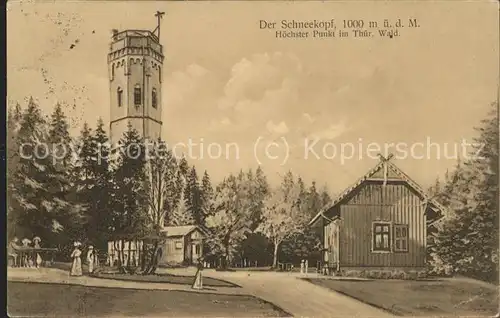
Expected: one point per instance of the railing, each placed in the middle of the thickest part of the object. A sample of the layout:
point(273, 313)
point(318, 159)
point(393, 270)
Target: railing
point(285, 267)
point(32, 257)
point(142, 33)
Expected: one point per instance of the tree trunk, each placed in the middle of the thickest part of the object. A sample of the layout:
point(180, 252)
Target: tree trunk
point(225, 259)
point(115, 253)
point(128, 255)
point(275, 254)
point(142, 255)
point(153, 262)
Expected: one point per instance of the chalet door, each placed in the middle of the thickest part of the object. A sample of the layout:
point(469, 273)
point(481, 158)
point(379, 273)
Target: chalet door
point(333, 246)
point(195, 251)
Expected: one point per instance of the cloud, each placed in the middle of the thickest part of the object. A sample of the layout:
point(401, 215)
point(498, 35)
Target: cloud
point(280, 128)
point(185, 88)
point(259, 89)
point(308, 118)
point(259, 78)
point(220, 125)
point(333, 131)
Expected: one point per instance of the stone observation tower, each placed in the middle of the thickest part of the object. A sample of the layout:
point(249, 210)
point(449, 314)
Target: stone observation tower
point(135, 63)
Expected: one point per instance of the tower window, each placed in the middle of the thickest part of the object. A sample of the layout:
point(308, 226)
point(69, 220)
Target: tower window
point(159, 73)
point(113, 71)
point(119, 96)
point(137, 95)
point(154, 99)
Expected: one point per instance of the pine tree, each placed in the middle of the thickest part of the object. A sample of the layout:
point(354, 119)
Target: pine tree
point(314, 203)
point(35, 205)
point(184, 168)
point(83, 178)
point(325, 197)
point(60, 184)
point(181, 216)
point(14, 117)
point(60, 139)
point(129, 199)
point(193, 197)
point(467, 240)
point(92, 177)
point(207, 194)
point(102, 193)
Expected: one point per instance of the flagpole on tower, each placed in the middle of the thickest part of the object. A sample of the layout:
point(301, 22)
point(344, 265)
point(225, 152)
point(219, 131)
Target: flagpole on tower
point(159, 15)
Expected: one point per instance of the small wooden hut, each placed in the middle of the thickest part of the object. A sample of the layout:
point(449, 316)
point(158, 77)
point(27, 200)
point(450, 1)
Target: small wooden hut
point(379, 223)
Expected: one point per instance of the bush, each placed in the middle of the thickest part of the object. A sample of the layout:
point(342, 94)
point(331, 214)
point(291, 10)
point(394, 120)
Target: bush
point(437, 267)
point(384, 274)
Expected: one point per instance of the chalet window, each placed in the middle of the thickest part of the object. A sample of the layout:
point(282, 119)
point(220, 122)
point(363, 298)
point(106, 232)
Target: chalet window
point(198, 249)
point(137, 95)
point(119, 96)
point(381, 237)
point(178, 245)
point(401, 238)
point(154, 99)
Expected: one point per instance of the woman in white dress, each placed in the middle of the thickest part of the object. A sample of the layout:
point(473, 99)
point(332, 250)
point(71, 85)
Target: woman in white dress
point(76, 267)
point(198, 278)
point(91, 259)
point(36, 241)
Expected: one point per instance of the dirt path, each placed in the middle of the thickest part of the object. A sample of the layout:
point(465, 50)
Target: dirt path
point(285, 290)
point(296, 296)
point(58, 276)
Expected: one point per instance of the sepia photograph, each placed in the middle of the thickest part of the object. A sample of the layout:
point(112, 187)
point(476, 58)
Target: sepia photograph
point(252, 158)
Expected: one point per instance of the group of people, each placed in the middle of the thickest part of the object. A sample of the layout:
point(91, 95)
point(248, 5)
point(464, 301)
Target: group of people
point(25, 255)
point(76, 265)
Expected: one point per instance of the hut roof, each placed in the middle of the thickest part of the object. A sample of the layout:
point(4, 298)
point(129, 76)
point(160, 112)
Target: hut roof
point(182, 230)
point(384, 171)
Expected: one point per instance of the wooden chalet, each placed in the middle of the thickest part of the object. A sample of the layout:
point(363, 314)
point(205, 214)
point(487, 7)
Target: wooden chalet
point(379, 223)
point(184, 245)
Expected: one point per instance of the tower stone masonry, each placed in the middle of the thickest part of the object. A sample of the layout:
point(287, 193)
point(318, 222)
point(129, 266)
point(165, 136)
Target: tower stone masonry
point(135, 63)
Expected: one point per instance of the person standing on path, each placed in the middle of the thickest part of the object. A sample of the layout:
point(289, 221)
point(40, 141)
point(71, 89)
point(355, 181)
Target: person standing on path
point(198, 278)
point(91, 259)
point(36, 241)
point(76, 267)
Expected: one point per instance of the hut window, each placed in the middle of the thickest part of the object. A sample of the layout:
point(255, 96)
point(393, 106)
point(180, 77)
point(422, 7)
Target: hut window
point(154, 101)
point(119, 96)
point(401, 238)
point(381, 237)
point(178, 245)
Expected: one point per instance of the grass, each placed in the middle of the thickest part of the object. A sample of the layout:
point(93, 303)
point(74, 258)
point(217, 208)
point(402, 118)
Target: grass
point(155, 278)
point(447, 297)
point(57, 300)
point(167, 278)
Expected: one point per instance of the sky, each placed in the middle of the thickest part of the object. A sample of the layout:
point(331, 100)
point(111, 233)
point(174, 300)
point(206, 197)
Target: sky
point(230, 83)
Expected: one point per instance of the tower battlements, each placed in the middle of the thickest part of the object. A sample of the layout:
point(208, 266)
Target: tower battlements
point(135, 62)
point(135, 42)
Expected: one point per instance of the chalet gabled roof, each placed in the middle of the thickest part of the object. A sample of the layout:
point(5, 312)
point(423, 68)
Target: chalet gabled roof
point(182, 230)
point(390, 173)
